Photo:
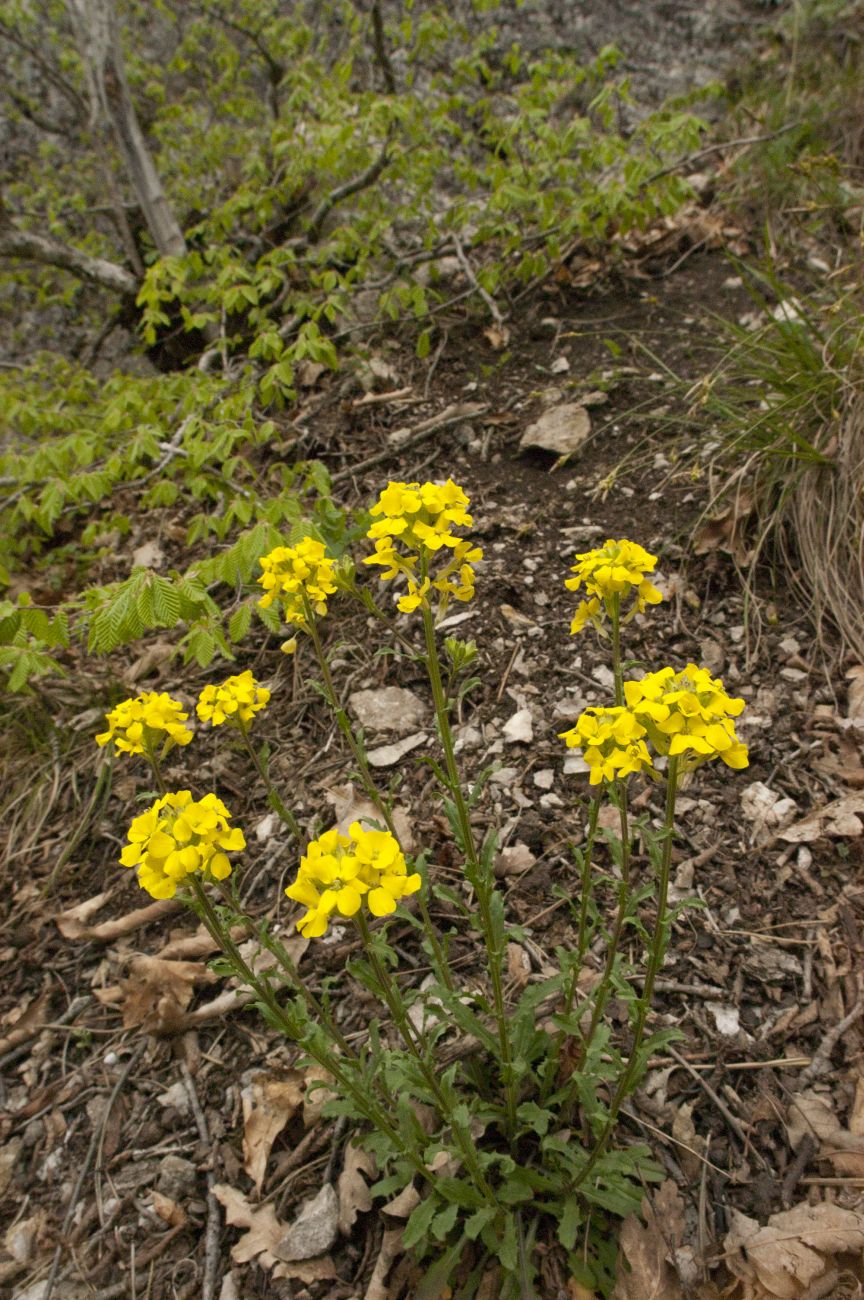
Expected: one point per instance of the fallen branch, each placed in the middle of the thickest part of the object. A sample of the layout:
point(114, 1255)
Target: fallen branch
point(50, 252)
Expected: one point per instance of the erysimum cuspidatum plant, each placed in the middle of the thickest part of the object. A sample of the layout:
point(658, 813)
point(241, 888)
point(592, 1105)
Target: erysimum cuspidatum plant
point(502, 1111)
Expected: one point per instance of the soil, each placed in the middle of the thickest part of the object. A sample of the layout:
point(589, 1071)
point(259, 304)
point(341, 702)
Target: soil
point(107, 1097)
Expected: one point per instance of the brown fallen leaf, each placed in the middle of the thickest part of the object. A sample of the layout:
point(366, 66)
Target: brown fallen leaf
point(26, 1023)
point(644, 1271)
point(8, 1159)
point(497, 335)
point(791, 1253)
point(168, 1210)
point(157, 992)
point(261, 1239)
point(72, 923)
point(402, 1205)
point(353, 1189)
point(316, 1080)
point(350, 806)
point(841, 818)
point(725, 530)
point(269, 1101)
point(810, 1113)
point(391, 1248)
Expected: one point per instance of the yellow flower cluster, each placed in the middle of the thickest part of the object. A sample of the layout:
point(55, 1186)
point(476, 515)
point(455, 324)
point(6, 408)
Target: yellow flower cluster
point(136, 726)
point(611, 743)
point(291, 571)
point(688, 715)
point(421, 517)
point(685, 715)
point(178, 836)
point(237, 699)
point(610, 574)
point(339, 872)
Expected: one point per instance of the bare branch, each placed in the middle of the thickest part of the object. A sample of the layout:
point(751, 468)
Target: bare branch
point(50, 252)
point(360, 182)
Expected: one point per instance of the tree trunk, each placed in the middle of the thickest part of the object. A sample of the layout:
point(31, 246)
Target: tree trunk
point(98, 36)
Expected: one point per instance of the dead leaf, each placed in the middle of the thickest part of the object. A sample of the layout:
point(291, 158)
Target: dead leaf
point(498, 336)
point(646, 1247)
point(269, 1101)
point(72, 923)
point(168, 1210)
point(856, 1119)
point(27, 1022)
point(518, 965)
point(402, 1205)
point(726, 530)
point(23, 1238)
point(391, 1248)
point(515, 859)
point(8, 1159)
point(314, 1230)
point(318, 1092)
point(766, 810)
point(789, 1254)
point(840, 818)
point(148, 556)
point(261, 1240)
point(157, 993)
point(349, 806)
point(855, 696)
point(562, 430)
point(387, 755)
point(810, 1113)
point(353, 1189)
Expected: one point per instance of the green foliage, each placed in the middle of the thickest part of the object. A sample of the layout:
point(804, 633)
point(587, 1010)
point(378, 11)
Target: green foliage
point(301, 182)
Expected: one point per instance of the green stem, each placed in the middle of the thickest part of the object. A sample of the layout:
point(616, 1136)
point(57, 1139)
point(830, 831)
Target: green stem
point(367, 780)
point(655, 962)
point(273, 798)
point(617, 669)
point(414, 1041)
point(474, 868)
point(150, 755)
point(582, 937)
point(327, 1060)
point(604, 988)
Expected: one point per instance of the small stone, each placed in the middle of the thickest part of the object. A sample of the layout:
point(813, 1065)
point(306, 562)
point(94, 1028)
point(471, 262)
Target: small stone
point(390, 708)
point(177, 1178)
point(545, 778)
point(520, 728)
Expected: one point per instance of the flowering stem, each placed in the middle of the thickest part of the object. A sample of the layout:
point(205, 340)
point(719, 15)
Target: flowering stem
point(343, 721)
point(414, 1041)
point(327, 1060)
point(615, 620)
point(604, 988)
point(582, 934)
point(273, 798)
point(474, 869)
point(655, 961)
point(150, 755)
point(366, 779)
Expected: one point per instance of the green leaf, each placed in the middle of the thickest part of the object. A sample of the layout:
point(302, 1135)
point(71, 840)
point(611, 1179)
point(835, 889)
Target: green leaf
point(420, 1221)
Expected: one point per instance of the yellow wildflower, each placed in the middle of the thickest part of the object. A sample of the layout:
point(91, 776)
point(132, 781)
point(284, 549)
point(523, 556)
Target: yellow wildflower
point(611, 741)
point(421, 517)
point(137, 725)
point(340, 872)
point(688, 715)
point(289, 571)
point(179, 836)
point(237, 699)
point(610, 575)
